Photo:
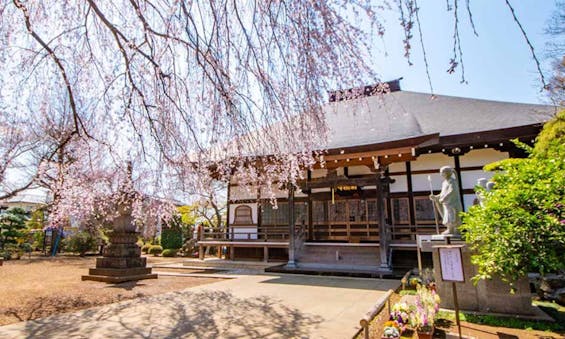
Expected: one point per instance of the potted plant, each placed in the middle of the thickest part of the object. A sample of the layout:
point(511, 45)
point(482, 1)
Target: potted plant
point(391, 330)
point(422, 318)
point(400, 313)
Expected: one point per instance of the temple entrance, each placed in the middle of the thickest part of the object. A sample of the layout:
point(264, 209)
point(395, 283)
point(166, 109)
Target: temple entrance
point(350, 220)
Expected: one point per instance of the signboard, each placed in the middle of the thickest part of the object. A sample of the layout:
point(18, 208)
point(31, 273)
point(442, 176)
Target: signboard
point(451, 263)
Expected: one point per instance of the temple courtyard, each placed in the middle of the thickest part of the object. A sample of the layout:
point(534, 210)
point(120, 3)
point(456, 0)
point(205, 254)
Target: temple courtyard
point(180, 304)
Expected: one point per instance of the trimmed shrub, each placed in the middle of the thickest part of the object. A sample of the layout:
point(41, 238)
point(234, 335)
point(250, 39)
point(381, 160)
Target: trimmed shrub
point(155, 250)
point(171, 235)
point(169, 253)
point(81, 242)
point(145, 248)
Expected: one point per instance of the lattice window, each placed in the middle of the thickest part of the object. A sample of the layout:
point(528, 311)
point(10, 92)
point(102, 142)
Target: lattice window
point(243, 215)
point(338, 211)
point(400, 211)
point(357, 211)
point(274, 216)
point(319, 211)
point(271, 216)
point(424, 210)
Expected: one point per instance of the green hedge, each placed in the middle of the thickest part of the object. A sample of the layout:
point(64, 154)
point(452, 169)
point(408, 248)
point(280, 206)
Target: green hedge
point(155, 250)
point(145, 248)
point(171, 236)
point(169, 253)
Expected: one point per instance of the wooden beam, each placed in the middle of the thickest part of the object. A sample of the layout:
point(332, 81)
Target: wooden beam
point(369, 154)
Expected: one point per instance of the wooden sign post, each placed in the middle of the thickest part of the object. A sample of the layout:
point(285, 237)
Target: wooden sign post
point(451, 266)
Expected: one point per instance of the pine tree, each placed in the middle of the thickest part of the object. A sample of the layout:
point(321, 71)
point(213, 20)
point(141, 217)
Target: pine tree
point(12, 226)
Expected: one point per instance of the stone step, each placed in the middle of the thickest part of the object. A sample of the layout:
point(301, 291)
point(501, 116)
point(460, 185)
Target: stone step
point(227, 264)
point(115, 272)
point(120, 262)
point(118, 279)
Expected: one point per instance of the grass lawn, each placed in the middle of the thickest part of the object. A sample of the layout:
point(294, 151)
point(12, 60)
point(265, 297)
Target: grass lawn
point(43, 286)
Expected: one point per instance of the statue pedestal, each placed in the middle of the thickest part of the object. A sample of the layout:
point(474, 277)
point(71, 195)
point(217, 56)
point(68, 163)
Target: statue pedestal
point(491, 296)
point(122, 259)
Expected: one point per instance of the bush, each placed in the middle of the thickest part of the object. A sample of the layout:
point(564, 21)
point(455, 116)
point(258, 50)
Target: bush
point(171, 235)
point(145, 248)
point(155, 250)
point(169, 253)
point(11, 251)
point(521, 227)
point(81, 242)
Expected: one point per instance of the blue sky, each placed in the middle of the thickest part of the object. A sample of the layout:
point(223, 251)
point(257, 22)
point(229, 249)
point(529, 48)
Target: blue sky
point(498, 63)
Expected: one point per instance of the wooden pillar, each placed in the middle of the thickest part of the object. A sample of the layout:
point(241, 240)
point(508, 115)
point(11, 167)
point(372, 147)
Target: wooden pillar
point(201, 252)
point(291, 262)
point(265, 254)
point(228, 210)
point(310, 219)
point(459, 181)
point(232, 252)
point(310, 206)
point(383, 235)
point(412, 211)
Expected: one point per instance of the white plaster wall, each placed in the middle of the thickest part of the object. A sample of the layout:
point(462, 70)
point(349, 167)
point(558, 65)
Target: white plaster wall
point(420, 182)
point(469, 178)
point(244, 233)
point(339, 171)
point(372, 187)
point(481, 157)
point(299, 194)
point(318, 190)
point(276, 191)
point(400, 184)
point(359, 170)
point(433, 161)
point(253, 212)
point(243, 192)
point(397, 167)
point(319, 173)
point(468, 200)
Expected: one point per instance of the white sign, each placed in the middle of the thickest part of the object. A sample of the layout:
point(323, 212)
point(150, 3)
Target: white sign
point(451, 264)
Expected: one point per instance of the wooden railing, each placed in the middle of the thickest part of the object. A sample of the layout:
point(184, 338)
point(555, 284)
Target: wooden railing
point(271, 234)
point(352, 232)
point(409, 232)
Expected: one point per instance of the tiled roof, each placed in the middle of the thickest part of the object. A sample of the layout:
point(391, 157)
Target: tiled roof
point(400, 115)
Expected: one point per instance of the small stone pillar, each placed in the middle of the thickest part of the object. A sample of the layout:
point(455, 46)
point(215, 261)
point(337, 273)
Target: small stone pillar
point(122, 259)
point(489, 296)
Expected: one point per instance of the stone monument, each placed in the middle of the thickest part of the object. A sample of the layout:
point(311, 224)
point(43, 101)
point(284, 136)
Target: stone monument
point(122, 259)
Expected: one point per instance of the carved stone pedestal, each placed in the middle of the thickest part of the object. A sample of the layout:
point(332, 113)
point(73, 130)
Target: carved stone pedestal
point(122, 259)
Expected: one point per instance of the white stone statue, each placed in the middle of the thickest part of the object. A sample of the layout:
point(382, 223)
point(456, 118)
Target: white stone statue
point(448, 202)
point(480, 195)
point(490, 186)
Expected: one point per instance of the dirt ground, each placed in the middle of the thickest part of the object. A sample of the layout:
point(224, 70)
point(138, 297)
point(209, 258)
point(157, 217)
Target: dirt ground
point(43, 286)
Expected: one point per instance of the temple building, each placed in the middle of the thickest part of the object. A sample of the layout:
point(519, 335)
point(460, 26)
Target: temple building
point(364, 202)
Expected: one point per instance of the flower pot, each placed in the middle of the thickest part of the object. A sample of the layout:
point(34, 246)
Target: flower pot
point(425, 334)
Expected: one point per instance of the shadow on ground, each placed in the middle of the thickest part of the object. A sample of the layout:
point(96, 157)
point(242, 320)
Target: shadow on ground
point(178, 314)
point(338, 282)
